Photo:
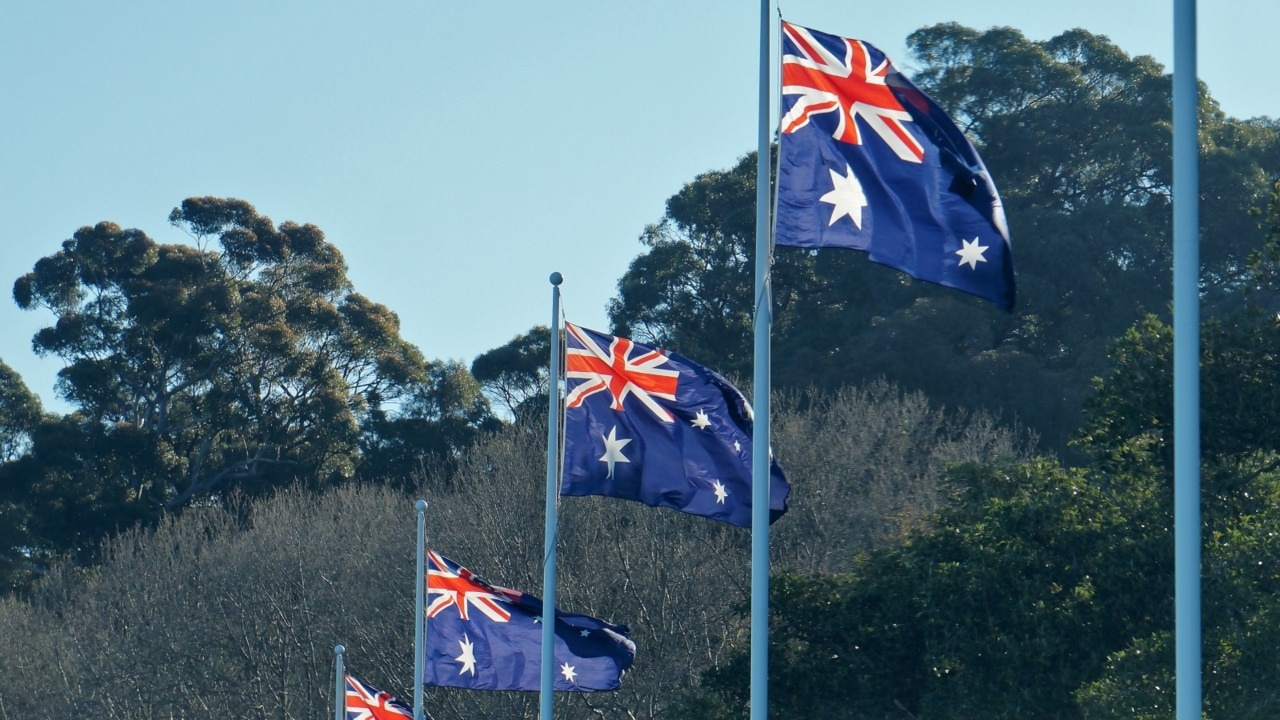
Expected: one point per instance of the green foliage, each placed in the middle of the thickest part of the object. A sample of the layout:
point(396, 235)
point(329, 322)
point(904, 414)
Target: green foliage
point(1076, 134)
point(998, 606)
point(1240, 568)
point(233, 610)
point(1040, 591)
point(20, 413)
point(20, 416)
point(515, 375)
point(197, 370)
point(435, 426)
point(1239, 388)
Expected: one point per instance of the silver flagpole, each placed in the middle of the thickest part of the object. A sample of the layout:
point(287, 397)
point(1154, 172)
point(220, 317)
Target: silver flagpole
point(553, 491)
point(760, 432)
point(1186, 363)
point(420, 616)
point(340, 685)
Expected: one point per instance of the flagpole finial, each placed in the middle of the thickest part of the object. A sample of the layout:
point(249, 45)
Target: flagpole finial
point(421, 505)
point(556, 279)
point(338, 649)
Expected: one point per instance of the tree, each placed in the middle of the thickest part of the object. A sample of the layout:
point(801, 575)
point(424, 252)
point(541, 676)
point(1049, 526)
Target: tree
point(245, 360)
point(233, 609)
point(1042, 591)
point(434, 426)
point(20, 416)
point(515, 375)
point(20, 413)
point(1076, 134)
point(999, 605)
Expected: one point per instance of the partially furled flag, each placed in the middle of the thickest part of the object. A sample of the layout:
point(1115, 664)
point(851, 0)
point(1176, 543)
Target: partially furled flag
point(365, 702)
point(484, 637)
point(643, 424)
point(869, 162)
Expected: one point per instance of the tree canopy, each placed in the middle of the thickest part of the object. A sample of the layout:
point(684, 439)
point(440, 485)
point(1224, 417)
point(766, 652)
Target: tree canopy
point(928, 565)
point(1042, 591)
point(1077, 136)
point(244, 360)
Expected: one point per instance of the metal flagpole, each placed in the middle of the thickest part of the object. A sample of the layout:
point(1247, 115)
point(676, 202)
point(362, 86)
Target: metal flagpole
point(553, 492)
point(760, 432)
point(420, 618)
point(1186, 362)
point(340, 685)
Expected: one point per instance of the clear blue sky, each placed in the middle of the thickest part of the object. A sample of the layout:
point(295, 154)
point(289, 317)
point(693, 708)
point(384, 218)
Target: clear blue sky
point(456, 152)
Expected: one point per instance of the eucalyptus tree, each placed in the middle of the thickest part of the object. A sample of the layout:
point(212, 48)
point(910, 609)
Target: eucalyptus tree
point(243, 360)
point(1043, 591)
point(1076, 135)
point(20, 413)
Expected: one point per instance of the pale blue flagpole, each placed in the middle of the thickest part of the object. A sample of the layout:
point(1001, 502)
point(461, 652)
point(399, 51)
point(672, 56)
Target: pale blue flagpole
point(420, 617)
point(553, 492)
point(760, 432)
point(340, 685)
point(1186, 361)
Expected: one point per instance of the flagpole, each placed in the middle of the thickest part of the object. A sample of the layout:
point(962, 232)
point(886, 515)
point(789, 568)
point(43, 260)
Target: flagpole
point(340, 685)
point(553, 487)
point(1186, 363)
point(760, 432)
point(420, 617)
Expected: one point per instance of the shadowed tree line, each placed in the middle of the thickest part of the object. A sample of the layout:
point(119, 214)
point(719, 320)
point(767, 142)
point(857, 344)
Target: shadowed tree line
point(244, 361)
point(1077, 137)
point(232, 494)
point(1038, 590)
point(234, 610)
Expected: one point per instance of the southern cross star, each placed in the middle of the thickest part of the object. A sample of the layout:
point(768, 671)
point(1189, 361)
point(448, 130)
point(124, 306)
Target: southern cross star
point(613, 450)
point(971, 253)
point(701, 421)
point(846, 197)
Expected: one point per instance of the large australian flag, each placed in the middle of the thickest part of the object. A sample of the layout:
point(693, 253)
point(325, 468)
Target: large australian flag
point(643, 424)
point(484, 637)
point(869, 162)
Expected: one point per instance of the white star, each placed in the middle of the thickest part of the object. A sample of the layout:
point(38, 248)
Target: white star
point(567, 671)
point(971, 253)
point(846, 197)
point(537, 619)
point(737, 446)
point(702, 422)
point(613, 450)
point(467, 658)
point(585, 633)
point(721, 493)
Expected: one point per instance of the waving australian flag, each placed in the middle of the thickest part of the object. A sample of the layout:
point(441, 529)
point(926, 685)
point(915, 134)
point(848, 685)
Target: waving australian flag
point(484, 637)
point(365, 702)
point(643, 424)
point(869, 162)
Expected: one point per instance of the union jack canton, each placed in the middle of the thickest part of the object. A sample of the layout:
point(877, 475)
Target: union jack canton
point(365, 702)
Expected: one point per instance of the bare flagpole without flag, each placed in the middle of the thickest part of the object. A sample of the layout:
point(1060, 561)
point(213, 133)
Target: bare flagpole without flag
point(760, 390)
point(340, 684)
point(553, 495)
point(1186, 362)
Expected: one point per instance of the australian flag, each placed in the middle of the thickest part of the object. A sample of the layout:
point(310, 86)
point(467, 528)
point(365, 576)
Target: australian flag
point(869, 162)
point(484, 637)
point(365, 702)
point(643, 424)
